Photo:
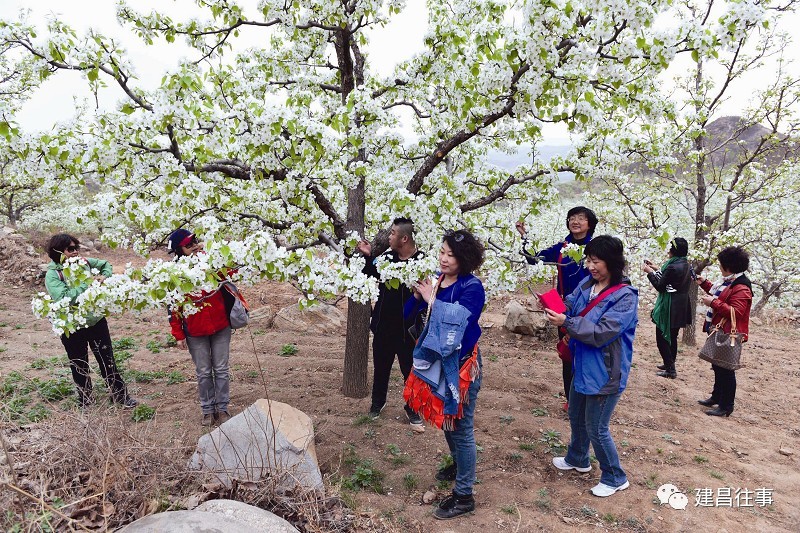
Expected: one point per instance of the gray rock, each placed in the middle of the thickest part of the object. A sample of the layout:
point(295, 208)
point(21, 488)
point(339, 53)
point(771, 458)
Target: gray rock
point(321, 318)
point(216, 516)
point(268, 439)
point(521, 320)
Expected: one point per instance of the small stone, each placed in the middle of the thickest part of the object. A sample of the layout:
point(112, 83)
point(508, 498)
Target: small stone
point(676, 442)
point(786, 451)
point(428, 497)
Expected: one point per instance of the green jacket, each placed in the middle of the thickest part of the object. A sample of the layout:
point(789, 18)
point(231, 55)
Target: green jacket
point(59, 289)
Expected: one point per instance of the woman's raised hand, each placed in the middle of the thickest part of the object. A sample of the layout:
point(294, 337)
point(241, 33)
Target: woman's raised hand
point(520, 225)
point(425, 289)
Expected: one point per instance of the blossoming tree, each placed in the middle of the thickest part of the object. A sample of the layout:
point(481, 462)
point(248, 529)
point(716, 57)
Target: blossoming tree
point(284, 154)
point(695, 173)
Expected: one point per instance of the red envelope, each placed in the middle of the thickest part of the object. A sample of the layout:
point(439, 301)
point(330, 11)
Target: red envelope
point(551, 300)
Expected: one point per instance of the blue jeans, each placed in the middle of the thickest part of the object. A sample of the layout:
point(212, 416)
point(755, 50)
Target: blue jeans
point(589, 416)
point(210, 355)
point(461, 442)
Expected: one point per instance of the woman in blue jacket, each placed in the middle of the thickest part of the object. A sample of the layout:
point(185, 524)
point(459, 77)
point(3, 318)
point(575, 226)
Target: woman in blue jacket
point(460, 293)
point(581, 222)
point(601, 321)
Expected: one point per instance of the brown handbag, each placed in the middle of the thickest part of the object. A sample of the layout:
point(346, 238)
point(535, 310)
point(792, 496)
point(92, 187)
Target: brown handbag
point(724, 349)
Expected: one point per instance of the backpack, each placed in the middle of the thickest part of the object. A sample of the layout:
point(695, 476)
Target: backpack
point(235, 305)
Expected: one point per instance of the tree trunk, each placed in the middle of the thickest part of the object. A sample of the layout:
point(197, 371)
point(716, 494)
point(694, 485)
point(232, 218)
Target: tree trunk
point(356, 351)
point(355, 382)
point(766, 294)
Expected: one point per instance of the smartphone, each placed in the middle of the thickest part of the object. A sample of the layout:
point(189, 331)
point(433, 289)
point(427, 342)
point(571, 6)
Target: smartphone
point(693, 273)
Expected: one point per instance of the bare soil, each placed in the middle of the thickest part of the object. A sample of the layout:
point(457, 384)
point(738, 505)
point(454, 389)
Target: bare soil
point(663, 436)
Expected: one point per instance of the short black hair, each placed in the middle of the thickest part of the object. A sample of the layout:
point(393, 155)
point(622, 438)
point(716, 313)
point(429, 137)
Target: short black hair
point(581, 210)
point(679, 247)
point(405, 225)
point(609, 250)
point(734, 259)
point(467, 250)
point(58, 243)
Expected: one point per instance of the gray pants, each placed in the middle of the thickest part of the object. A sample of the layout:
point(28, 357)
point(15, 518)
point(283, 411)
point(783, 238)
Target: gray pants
point(210, 355)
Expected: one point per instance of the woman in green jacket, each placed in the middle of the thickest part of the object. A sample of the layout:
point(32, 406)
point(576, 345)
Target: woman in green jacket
point(95, 335)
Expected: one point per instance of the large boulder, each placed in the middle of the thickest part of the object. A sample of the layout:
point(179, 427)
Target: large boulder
point(520, 319)
point(215, 516)
point(268, 439)
point(320, 318)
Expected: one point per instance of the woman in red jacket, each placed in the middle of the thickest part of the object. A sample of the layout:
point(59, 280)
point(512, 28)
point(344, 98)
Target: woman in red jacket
point(207, 335)
point(733, 291)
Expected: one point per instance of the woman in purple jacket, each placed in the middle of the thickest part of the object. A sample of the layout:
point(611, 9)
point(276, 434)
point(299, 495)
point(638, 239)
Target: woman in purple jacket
point(581, 222)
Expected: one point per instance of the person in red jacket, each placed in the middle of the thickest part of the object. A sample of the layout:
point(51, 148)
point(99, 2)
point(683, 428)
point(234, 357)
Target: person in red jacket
point(207, 335)
point(733, 291)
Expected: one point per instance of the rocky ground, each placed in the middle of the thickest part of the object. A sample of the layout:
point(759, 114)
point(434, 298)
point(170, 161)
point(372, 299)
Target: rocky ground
point(662, 434)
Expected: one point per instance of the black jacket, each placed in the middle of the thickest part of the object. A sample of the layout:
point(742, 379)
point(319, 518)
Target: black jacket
point(387, 316)
point(675, 279)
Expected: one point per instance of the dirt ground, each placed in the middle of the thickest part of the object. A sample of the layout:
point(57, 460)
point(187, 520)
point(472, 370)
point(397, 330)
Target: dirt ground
point(663, 436)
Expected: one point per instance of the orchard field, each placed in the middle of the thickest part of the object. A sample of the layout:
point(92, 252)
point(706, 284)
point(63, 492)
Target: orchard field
point(284, 133)
point(661, 432)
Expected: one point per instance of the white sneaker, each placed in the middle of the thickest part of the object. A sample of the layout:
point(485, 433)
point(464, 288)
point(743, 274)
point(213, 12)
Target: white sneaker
point(562, 464)
point(602, 490)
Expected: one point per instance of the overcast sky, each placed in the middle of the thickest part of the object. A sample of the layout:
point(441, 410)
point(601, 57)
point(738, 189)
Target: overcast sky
point(56, 100)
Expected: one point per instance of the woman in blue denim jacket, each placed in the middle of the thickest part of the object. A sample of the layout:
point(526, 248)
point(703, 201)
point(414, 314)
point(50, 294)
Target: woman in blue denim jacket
point(460, 255)
point(601, 341)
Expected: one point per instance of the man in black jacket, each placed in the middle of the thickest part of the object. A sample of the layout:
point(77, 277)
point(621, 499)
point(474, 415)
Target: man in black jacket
point(390, 329)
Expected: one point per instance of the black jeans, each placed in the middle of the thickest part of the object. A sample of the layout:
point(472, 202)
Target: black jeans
point(724, 391)
point(566, 370)
point(669, 352)
point(97, 338)
point(385, 345)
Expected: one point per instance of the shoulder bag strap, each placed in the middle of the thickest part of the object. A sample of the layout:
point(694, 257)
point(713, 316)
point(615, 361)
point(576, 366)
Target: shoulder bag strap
point(433, 299)
point(599, 298)
point(733, 321)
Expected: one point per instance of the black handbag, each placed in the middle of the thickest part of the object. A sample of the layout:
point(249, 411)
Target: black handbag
point(415, 329)
point(724, 349)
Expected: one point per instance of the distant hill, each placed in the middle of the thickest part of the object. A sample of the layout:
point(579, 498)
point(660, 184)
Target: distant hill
point(729, 140)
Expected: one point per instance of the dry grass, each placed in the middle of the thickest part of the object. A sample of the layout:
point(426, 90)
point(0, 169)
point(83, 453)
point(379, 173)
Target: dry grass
point(98, 471)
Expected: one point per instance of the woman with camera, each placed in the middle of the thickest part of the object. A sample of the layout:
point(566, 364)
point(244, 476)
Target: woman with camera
point(672, 310)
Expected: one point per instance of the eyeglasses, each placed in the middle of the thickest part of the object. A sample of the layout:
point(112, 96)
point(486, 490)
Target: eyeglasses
point(577, 218)
point(458, 237)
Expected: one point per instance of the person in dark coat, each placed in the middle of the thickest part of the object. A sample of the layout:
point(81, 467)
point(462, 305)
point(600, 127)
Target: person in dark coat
point(389, 327)
point(733, 291)
point(581, 223)
point(672, 310)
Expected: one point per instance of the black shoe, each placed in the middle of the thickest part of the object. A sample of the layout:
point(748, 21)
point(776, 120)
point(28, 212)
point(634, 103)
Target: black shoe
point(128, 403)
point(718, 411)
point(415, 421)
point(453, 506)
point(708, 403)
point(661, 367)
point(375, 411)
point(667, 374)
point(447, 473)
